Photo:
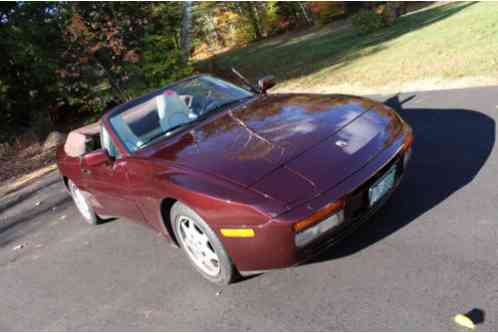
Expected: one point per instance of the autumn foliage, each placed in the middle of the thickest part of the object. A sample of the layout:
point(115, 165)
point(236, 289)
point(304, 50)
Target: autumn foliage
point(80, 59)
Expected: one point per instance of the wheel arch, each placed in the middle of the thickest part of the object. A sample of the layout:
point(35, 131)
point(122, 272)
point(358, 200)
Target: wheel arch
point(66, 182)
point(165, 209)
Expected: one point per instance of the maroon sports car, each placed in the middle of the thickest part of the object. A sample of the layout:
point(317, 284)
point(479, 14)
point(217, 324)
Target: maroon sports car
point(242, 180)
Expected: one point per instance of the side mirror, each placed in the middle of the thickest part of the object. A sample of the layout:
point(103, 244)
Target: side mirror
point(266, 83)
point(96, 157)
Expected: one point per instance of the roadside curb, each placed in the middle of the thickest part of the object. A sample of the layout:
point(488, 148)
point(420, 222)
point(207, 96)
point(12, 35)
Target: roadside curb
point(25, 180)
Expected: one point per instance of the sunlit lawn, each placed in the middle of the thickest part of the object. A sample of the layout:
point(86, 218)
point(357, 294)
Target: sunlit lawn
point(452, 41)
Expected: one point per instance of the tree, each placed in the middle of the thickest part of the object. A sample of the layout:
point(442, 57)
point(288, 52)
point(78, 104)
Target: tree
point(186, 32)
point(162, 57)
point(104, 42)
point(306, 15)
point(119, 50)
point(31, 42)
point(249, 10)
point(83, 56)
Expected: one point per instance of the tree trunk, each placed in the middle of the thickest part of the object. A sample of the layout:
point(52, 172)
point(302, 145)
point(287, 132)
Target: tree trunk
point(186, 30)
point(114, 84)
point(247, 8)
point(305, 14)
point(256, 21)
point(218, 38)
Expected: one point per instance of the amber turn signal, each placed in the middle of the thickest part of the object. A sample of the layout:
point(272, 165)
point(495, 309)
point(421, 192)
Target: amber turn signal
point(319, 215)
point(239, 233)
point(407, 143)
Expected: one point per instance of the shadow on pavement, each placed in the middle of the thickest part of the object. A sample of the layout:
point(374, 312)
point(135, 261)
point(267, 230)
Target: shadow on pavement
point(20, 213)
point(27, 191)
point(29, 220)
point(476, 315)
point(451, 146)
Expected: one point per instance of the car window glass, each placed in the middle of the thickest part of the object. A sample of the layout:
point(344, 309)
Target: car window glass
point(173, 108)
point(107, 144)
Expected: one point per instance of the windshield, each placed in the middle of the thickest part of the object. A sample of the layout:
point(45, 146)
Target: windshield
point(174, 108)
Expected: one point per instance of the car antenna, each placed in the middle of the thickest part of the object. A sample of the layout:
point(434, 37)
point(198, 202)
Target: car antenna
point(245, 81)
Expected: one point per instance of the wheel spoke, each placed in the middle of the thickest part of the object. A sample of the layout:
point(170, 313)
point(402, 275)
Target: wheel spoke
point(187, 228)
point(204, 239)
point(201, 239)
point(198, 247)
point(210, 255)
point(210, 261)
point(81, 202)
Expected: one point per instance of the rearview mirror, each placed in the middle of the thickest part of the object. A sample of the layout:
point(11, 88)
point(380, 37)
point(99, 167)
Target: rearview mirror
point(96, 157)
point(266, 83)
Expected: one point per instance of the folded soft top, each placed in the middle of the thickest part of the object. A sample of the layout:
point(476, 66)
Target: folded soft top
point(76, 142)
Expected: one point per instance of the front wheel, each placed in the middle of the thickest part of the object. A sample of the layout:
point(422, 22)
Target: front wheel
point(203, 247)
point(82, 204)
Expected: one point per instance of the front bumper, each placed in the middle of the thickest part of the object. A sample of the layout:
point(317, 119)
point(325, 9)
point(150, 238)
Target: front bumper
point(356, 213)
point(273, 246)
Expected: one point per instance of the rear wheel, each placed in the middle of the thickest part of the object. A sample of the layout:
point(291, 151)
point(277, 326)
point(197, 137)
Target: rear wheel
point(202, 246)
point(82, 204)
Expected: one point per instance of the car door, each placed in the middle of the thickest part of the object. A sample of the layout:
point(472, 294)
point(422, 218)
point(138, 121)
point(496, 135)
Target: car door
point(109, 184)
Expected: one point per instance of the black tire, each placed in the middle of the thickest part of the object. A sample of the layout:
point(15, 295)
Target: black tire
point(91, 217)
point(228, 272)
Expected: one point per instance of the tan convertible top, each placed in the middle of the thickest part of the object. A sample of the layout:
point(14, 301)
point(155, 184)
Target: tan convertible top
point(75, 145)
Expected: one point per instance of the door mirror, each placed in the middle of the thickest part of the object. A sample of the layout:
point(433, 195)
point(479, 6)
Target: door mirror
point(96, 157)
point(266, 83)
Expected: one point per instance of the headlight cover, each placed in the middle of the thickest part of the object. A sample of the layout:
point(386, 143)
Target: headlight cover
point(306, 236)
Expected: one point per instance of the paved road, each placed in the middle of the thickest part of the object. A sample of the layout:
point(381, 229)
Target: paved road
point(431, 253)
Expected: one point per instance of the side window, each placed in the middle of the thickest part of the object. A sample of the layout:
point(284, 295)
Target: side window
point(107, 143)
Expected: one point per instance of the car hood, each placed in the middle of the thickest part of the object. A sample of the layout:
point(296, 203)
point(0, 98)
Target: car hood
point(287, 146)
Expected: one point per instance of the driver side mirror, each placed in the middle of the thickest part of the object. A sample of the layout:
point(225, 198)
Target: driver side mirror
point(97, 157)
point(266, 83)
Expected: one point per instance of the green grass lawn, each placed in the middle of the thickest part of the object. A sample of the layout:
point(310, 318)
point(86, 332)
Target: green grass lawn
point(441, 44)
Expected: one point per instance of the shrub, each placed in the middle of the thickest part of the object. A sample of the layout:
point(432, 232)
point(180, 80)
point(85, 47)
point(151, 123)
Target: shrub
point(41, 125)
point(325, 12)
point(270, 19)
point(367, 21)
point(389, 12)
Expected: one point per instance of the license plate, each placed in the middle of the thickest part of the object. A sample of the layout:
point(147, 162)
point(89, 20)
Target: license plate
point(382, 186)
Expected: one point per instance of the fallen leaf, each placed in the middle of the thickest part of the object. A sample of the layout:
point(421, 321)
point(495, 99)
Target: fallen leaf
point(219, 292)
point(464, 321)
point(37, 203)
point(18, 246)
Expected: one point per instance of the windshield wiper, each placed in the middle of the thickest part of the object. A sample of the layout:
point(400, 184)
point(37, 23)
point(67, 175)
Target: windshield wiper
point(168, 132)
point(174, 128)
point(227, 104)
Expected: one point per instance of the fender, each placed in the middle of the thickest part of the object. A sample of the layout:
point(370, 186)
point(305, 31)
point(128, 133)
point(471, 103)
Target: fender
point(218, 201)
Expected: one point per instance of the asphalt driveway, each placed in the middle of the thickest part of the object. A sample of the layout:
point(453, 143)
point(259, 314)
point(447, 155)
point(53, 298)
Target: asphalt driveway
point(431, 253)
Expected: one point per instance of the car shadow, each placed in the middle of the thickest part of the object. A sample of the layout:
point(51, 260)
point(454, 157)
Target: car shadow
point(450, 147)
point(26, 192)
